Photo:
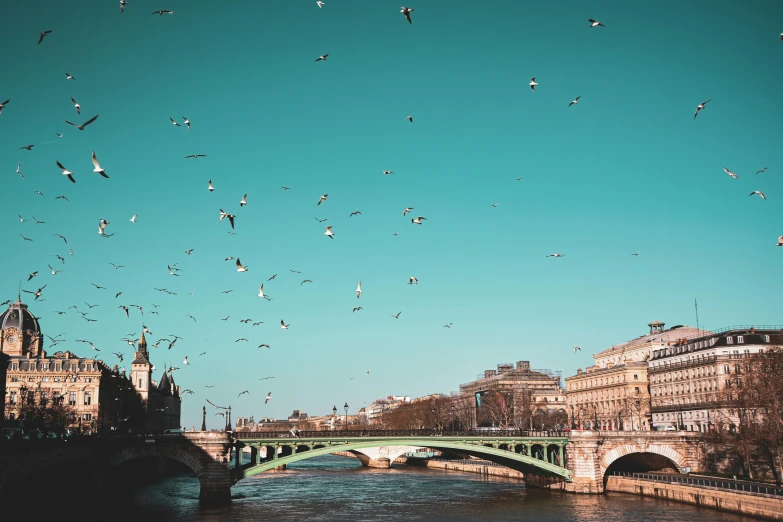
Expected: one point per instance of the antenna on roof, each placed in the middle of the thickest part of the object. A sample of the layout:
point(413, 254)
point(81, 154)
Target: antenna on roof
point(696, 306)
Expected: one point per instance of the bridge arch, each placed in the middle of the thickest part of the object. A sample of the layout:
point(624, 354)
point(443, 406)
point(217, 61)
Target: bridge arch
point(631, 457)
point(168, 451)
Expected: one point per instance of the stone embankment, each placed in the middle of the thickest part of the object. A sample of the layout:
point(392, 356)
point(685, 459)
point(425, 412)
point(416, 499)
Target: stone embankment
point(480, 467)
point(760, 505)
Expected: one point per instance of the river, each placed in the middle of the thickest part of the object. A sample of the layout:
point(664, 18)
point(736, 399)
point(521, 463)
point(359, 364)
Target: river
point(333, 488)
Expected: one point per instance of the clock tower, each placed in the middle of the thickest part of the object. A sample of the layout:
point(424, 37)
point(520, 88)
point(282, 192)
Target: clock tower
point(141, 369)
point(19, 332)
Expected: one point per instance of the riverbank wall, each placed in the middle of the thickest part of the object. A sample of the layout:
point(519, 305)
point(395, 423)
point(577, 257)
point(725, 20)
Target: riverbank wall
point(479, 467)
point(769, 507)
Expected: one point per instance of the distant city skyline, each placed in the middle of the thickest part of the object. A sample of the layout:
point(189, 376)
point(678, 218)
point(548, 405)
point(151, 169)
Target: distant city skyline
point(504, 176)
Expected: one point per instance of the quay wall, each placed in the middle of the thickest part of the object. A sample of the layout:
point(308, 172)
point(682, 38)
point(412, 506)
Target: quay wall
point(759, 505)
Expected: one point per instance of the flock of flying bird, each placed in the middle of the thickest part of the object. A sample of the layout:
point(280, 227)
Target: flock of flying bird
point(173, 269)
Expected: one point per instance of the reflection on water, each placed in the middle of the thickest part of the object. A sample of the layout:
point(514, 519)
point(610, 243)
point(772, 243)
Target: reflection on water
point(338, 488)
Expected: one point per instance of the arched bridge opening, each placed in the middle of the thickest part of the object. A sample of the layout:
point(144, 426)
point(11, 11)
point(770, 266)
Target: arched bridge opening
point(641, 462)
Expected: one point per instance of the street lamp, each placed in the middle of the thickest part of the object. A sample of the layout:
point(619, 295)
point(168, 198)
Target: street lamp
point(452, 417)
point(345, 407)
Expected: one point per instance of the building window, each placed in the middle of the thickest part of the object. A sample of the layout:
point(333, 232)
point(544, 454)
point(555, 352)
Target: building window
point(89, 367)
point(57, 367)
point(16, 365)
point(740, 339)
point(46, 366)
point(13, 397)
point(72, 398)
point(729, 340)
point(635, 377)
point(88, 379)
point(87, 399)
point(86, 416)
point(140, 385)
point(766, 338)
point(726, 368)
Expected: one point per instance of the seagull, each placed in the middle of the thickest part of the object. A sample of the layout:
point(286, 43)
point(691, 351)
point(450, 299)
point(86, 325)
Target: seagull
point(242, 393)
point(406, 211)
point(780, 239)
point(320, 220)
point(127, 313)
point(409, 118)
point(2, 105)
point(33, 275)
point(39, 222)
point(320, 3)
point(25, 238)
point(102, 224)
point(322, 57)
point(226, 292)
point(264, 345)
point(59, 135)
point(447, 325)
point(27, 147)
point(97, 287)
point(329, 232)
point(762, 170)
point(194, 320)
point(210, 187)
point(272, 277)
point(576, 100)
point(243, 201)
point(323, 198)
point(258, 322)
point(305, 281)
point(759, 193)
point(118, 294)
point(265, 378)
point(76, 104)
point(241, 339)
point(37, 293)
point(123, 3)
point(44, 34)
point(161, 12)
point(268, 397)
point(412, 280)
point(730, 173)
point(357, 308)
point(387, 172)
point(185, 361)
point(170, 272)
point(555, 255)
point(285, 188)
point(133, 219)
point(577, 348)
point(19, 170)
point(189, 251)
point(359, 290)
point(240, 268)
point(636, 253)
point(398, 315)
point(230, 217)
point(283, 325)
point(406, 12)
point(417, 221)
point(196, 156)
point(495, 205)
point(83, 125)
point(66, 172)
point(63, 197)
point(352, 214)
point(69, 77)
point(700, 107)
point(187, 122)
point(595, 23)
point(98, 169)
point(533, 84)
point(54, 272)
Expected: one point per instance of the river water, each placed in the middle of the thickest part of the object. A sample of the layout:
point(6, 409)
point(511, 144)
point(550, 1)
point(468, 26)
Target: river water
point(333, 488)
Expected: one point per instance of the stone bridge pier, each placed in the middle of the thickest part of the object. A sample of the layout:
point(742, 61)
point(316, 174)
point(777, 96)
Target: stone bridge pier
point(207, 454)
point(592, 456)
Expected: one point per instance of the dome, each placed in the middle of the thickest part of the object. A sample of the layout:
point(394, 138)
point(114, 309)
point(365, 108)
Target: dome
point(19, 317)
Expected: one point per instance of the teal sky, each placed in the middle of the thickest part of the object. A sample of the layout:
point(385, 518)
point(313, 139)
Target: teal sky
point(626, 170)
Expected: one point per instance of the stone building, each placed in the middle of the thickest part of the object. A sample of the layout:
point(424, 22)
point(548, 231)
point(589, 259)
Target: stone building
point(162, 398)
point(687, 376)
point(94, 396)
point(613, 394)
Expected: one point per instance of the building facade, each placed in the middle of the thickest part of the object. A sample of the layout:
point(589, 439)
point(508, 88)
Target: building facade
point(614, 393)
point(90, 395)
point(688, 377)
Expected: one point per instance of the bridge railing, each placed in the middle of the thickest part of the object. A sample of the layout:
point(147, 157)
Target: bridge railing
point(732, 485)
point(340, 434)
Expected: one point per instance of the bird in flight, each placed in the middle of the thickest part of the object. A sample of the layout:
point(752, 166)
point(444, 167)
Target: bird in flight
point(359, 290)
point(555, 255)
point(2, 105)
point(759, 193)
point(320, 220)
point(357, 308)
point(196, 156)
point(19, 171)
point(387, 172)
point(185, 361)
point(54, 272)
point(83, 125)
point(224, 214)
point(133, 219)
point(699, 107)
point(409, 118)
point(320, 4)
point(780, 239)
point(66, 172)
point(323, 57)
point(533, 84)
point(261, 291)
point(98, 169)
point(329, 232)
point(283, 325)
point(187, 122)
point(323, 198)
point(37, 293)
point(447, 325)
point(495, 205)
point(242, 393)
point(762, 170)
point(595, 23)
point(210, 187)
point(241, 339)
point(417, 221)
point(123, 3)
point(241, 268)
point(243, 201)
point(408, 209)
point(265, 378)
point(576, 100)
point(32, 275)
point(76, 104)
point(63, 197)
point(127, 313)
point(25, 238)
point(730, 173)
point(268, 397)
point(264, 346)
point(69, 77)
point(636, 253)
point(189, 251)
point(406, 12)
point(102, 224)
point(412, 280)
point(44, 34)
point(161, 12)
point(577, 348)
point(27, 147)
point(398, 315)
point(352, 214)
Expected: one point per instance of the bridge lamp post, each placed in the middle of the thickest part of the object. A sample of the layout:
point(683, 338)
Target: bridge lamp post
point(334, 415)
point(345, 407)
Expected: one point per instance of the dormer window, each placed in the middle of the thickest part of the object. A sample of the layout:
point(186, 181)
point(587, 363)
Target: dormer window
point(766, 338)
point(740, 339)
point(729, 340)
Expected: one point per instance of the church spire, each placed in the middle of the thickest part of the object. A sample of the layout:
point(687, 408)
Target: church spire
point(142, 343)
